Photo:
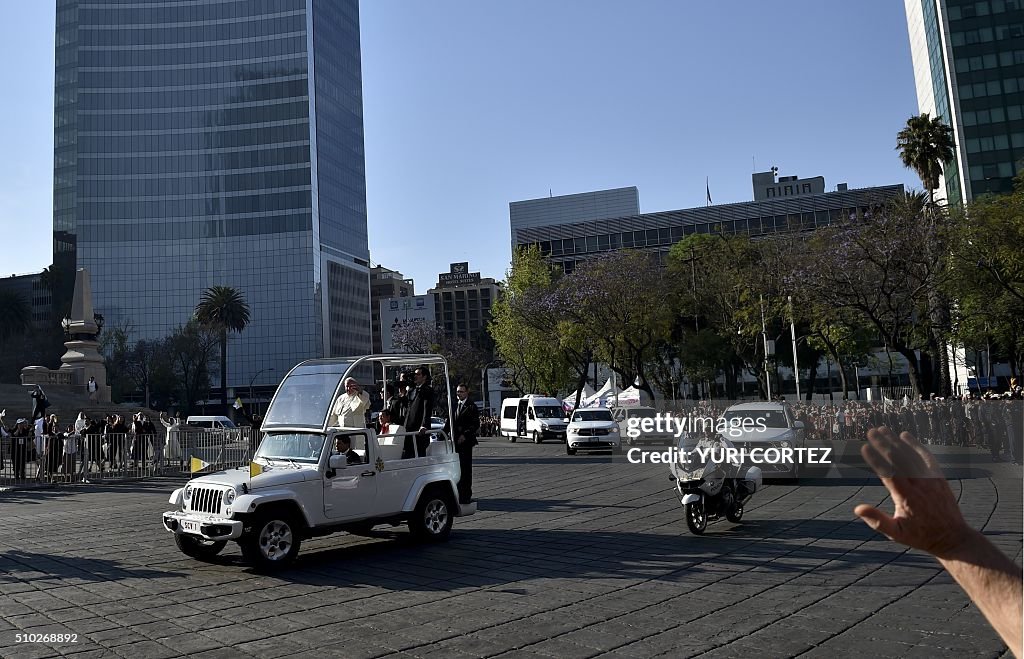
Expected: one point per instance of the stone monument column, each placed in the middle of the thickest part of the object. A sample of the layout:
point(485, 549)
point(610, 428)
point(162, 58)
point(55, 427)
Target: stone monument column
point(83, 359)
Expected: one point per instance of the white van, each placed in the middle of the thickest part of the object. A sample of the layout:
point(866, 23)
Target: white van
point(211, 422)
point(534, 417)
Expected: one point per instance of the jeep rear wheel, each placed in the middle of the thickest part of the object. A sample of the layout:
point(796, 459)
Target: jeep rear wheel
point(273, 541)
point(432, 520)
point(198, 548)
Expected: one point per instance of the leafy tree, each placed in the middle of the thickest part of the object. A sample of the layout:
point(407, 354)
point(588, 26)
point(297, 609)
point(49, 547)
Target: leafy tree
point(223, 309)
point(525, 325)
point(15, 315)
point(190, 349)
point(877, 267)
point(925, 144)
point(115, 346)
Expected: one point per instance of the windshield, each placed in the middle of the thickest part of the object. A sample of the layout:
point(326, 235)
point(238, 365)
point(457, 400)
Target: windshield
point(771, 418)
point(592, 415)
point(642, 413)
point(298, 446)
point(549, 412)
point(305, 396)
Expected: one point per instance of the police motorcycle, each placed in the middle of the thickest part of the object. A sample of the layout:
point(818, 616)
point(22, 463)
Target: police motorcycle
point(709, 486)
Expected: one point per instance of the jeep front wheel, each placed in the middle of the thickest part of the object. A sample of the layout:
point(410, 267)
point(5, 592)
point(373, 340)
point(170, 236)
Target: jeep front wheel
point(432, 519)
point(198, 548)
point(272, 543)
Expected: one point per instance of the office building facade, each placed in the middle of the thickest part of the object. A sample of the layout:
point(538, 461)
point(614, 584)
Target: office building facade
point(216, 143)
point(969, 70)
point(462, 305)
point(566, 243)
point(385, 285)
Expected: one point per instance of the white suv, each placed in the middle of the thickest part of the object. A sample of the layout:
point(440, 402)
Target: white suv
point(304, 482)
point(592, 429)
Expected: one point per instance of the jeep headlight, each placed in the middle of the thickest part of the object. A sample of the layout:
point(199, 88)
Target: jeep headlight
point(229, 496)
point(187, 494)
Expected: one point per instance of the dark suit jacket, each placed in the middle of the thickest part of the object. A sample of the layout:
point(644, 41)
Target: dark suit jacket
point(420, 409)
point(467, 423)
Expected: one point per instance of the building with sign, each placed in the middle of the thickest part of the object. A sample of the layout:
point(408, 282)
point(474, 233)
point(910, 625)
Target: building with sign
point(396, 312)
point(788, 204)
point(385, 284)
point(462, 300)
point(969, 71)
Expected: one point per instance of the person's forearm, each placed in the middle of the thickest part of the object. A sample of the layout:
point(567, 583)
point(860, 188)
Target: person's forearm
point(994, 582)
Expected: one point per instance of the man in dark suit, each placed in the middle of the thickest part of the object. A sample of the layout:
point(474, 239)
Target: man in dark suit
point(421, 408)
point(464, 430)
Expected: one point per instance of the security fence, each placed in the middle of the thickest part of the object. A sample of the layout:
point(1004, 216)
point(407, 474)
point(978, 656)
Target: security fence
point(68, 458)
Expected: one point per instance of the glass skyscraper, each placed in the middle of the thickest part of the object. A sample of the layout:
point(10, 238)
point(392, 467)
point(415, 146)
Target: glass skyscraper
point(202, 143)
point(969, 69)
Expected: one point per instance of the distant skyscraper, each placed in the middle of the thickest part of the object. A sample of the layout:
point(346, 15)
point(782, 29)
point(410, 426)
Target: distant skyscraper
point(969, 68)
point(216, 143)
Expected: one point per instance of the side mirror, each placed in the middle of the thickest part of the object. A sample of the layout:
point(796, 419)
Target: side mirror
point(799, 425)
point(337, 461)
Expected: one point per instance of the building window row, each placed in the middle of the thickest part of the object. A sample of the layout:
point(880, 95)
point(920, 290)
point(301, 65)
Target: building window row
point(987, 34)
point(995, 142)
point(983, 8)
point(991, 88)
point(993, 115)
point(671, 235)
point(998, 170)
point(989, 61)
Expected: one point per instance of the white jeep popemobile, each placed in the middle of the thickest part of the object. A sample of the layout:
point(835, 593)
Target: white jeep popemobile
point(309, 487)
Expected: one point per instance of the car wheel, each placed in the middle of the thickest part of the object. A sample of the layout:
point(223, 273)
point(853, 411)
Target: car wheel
point(432, 519)
point(273, 541)
point(568, 449)
point(198, 548)
point(696, 518)
point(734, 513)
point(537, 438)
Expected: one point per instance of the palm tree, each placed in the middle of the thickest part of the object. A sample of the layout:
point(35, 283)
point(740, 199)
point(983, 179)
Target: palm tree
point(223, 309)
point(925, 145)
point(15, 314)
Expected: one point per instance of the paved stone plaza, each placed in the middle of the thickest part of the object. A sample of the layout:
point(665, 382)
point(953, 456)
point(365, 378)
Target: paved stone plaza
point(568, 557)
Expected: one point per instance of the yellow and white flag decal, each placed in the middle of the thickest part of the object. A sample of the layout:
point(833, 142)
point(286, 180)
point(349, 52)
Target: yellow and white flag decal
point(198, 465)
point(254, 470)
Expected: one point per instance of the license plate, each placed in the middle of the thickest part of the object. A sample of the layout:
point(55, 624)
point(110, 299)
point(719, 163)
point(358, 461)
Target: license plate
point(189, 527)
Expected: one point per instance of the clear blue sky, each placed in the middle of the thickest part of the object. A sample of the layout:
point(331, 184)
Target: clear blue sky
point(470, 105)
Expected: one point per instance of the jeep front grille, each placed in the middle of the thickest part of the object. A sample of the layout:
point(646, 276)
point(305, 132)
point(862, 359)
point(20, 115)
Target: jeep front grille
point(206, 500)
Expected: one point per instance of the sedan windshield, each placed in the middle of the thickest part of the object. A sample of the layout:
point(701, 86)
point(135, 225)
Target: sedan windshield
point(771, 418)
point(298, 446)
point(593, 415)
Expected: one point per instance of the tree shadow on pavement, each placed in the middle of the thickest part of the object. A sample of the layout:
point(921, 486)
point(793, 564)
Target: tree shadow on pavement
point(17, 565)
point(483, 557)
point(49, 493)
point(538, 505)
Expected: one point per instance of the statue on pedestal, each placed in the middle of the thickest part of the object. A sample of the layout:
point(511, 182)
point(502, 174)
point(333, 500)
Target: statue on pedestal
point(82, 369)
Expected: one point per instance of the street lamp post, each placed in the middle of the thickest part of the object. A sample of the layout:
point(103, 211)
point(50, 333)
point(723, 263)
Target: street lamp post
point(856, 377)
point(265, 370)
point(483, 383)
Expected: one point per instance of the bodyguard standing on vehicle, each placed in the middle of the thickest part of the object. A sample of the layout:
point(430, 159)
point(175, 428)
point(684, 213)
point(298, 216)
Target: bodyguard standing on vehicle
point(464, 429)
point(417, 419)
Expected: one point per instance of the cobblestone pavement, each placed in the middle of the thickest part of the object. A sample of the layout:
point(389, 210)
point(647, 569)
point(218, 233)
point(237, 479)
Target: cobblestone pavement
point(568, 557)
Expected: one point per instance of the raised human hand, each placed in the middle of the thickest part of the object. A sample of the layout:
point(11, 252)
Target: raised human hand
point(926, 514)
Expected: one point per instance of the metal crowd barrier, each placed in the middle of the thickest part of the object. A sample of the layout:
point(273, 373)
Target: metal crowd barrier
point(112, 457)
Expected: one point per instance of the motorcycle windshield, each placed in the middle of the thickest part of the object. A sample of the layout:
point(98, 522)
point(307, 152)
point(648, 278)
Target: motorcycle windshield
point(701, 458)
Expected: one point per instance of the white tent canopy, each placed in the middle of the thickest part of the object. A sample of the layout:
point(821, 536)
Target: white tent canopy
point(570, 401)
point(630, 397)
point(604, 396)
